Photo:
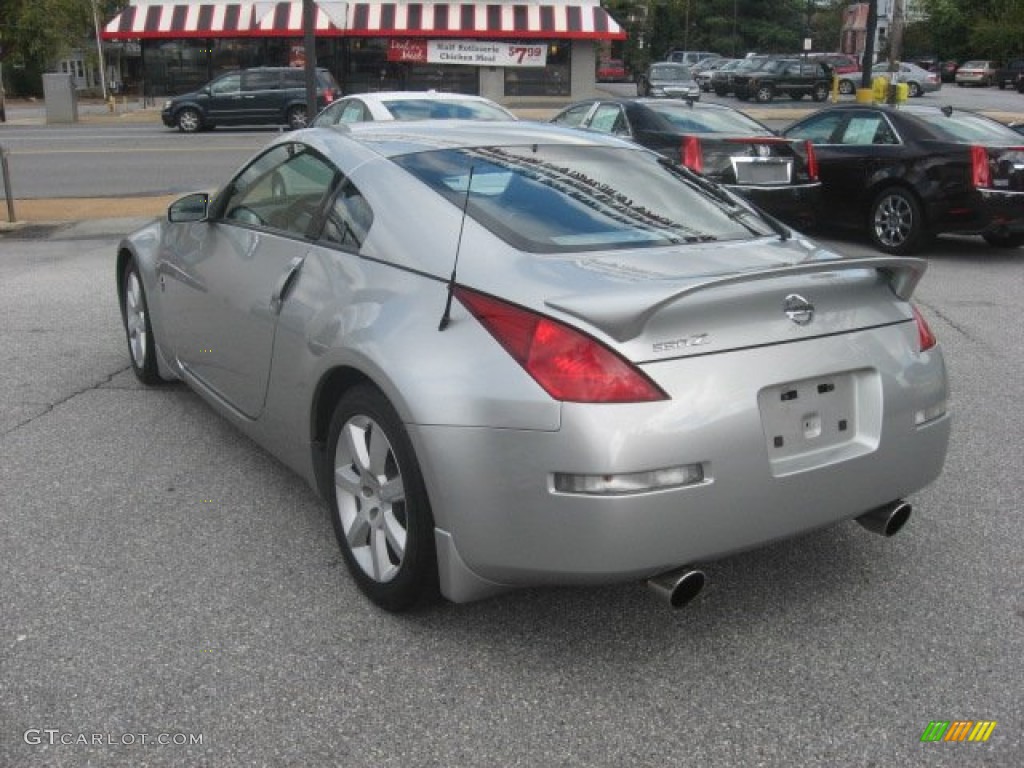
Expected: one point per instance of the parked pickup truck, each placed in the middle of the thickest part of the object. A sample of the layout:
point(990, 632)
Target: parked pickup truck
point(1008, 76)
point(795, 78)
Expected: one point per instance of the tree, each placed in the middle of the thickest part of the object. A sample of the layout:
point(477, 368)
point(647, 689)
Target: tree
point(38, 32)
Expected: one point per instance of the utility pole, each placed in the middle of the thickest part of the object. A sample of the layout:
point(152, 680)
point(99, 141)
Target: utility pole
point(869, 44)
point(309, 45)
point(99, 50)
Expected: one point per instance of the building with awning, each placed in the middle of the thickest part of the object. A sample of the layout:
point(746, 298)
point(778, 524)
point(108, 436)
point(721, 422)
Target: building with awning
point(507, 51)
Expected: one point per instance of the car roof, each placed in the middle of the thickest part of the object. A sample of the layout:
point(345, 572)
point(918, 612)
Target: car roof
point(419, 95)
point(693, 103)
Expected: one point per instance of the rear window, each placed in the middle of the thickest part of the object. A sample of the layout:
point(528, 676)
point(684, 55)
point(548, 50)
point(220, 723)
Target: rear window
point(444, 109)
point(708, 120)
point(970, 128)
point(669, 73)
point(558, 199)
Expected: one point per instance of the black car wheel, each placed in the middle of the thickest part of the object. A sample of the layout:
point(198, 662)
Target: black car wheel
point(189, 120)
point(896, 223)
point(137, 327)
point(846, 87)
point(764, 94)
point(379, 506)
point(296, 117)
point(914, 89)
point(819, 92)
point(1007, 240)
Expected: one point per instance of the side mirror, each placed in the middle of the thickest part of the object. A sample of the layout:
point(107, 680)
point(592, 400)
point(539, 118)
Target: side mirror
point(189, 208)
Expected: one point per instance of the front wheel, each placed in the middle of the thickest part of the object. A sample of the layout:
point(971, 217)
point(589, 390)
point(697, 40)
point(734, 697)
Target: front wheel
point(137, 326)
point(820, 92)
point(846, 87)
point(296, 117)
point(380, 510)
point(763, 94)
point(1015, 240)
point(896, 223)
point(189, 120)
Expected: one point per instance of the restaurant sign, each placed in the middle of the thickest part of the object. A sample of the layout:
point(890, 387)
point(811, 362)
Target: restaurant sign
point(478, 53)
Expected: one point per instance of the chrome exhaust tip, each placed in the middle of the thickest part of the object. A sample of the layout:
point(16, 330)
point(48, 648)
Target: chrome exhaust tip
point(678, 587)
point(887, 519)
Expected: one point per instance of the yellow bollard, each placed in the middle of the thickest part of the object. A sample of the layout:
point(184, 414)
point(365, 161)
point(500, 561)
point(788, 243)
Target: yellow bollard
point(111, 103)
point(835, 88)
point(865, 96)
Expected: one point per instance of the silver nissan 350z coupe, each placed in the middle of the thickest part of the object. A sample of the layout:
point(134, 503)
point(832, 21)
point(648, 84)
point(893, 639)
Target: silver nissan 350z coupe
point(514, 354)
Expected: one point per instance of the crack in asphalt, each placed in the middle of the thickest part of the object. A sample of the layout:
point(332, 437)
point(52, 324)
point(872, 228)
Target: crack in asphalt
point(49, 407)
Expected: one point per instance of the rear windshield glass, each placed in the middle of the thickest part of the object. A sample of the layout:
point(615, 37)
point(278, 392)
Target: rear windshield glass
point(444, 109)
point(563, 198)
point(969, 128)
point(707, 120)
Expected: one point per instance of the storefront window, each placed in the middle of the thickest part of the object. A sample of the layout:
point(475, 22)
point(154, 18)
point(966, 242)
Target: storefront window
point(552, 80)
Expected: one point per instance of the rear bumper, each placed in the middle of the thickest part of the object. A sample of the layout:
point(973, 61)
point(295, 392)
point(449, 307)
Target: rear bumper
point(980, 212)
point(796, 204)
point(497, 507)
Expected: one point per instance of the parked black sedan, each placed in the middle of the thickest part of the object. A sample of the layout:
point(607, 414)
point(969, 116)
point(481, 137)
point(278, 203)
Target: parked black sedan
point(907, 173)
point(725, 145)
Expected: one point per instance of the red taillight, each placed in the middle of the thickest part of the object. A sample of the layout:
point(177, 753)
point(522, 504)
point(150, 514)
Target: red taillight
point(812, 162)
point(981, 175)
point(692, 156)
point(925, 338)
point(566, 363)
point(328, 95)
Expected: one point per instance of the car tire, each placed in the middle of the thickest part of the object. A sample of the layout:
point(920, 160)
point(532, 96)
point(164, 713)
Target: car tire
point(137, 326)
point(296, 117)
point(189, 120)
point(914, 90)
point(819, 92)
point(846, 87)
point(1014, 240)
point(764, 94)
point(379, 505)
point(896, 222)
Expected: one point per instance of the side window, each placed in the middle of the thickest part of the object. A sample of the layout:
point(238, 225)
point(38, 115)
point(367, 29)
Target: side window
point(819, 130)
point(353, 112)
point(861, 130)
point(227, 84)
point(256, 80)
point(348, 218)
point(608, 118)
point(282, 190)
point(294, 78)
point(574, 116)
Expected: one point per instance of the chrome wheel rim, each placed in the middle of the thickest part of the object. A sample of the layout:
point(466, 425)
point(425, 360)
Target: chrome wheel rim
point(298, 118)
point(135, 319)
point(894, 220)
point(370, 495)
point(188, 121)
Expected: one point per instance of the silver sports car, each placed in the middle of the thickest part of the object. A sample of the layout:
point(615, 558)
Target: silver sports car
point(516, 354)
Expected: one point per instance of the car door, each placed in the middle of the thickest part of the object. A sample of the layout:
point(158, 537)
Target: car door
point(225, 100)
point(853, 148)
point(261, 96)
point(223, 298)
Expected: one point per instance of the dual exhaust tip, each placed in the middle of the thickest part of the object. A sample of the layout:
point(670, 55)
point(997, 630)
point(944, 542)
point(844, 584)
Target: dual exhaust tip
point(680, 586)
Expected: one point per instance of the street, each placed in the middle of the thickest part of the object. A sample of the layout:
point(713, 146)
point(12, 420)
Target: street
point(174, 596)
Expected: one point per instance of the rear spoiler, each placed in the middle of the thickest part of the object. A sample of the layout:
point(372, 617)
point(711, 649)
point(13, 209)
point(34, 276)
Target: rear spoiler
point(623, 314)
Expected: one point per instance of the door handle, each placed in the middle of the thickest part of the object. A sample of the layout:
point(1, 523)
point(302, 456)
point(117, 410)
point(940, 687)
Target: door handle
point(284, 284)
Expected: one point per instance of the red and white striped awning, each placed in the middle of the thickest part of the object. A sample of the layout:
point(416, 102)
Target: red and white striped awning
point(258, 19)
point(579, 19)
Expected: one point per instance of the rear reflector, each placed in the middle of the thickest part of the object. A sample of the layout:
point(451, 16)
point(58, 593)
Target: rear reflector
point(633, 482)
point(568, 364)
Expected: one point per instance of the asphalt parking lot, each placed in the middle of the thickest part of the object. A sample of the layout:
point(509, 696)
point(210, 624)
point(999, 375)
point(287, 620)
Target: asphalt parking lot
point(165, 580)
